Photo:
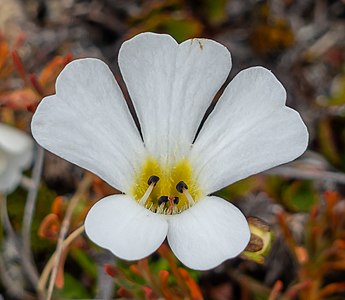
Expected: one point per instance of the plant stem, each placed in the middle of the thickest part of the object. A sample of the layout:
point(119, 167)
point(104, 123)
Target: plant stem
point(51, 262)
point(27, 257)
point(82, 188)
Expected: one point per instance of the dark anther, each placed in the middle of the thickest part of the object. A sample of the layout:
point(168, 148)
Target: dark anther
point(163, 199)
point(176, 199)
point(153, 179)
point(181, 186)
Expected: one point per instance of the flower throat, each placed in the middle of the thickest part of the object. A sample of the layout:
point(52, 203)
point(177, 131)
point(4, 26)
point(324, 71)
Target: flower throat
point(166, 190)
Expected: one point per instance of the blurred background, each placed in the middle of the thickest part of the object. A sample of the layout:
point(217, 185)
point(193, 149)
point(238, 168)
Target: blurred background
point(297, 210)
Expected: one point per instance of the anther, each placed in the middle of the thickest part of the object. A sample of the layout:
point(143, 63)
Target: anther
point(152, 183)
point(153, 179)
point(163, 199)
point(183, 188)
point(176, 200)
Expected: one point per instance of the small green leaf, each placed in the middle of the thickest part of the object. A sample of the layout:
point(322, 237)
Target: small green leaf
point(299, 196)
point(73, 289)
point(86, 262)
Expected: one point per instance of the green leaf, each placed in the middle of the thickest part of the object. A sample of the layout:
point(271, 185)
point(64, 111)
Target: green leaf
point(241, 188)
point(299, 196)
point(86, 262)
point(182, 29)
point(73, 289)
point(215, 10)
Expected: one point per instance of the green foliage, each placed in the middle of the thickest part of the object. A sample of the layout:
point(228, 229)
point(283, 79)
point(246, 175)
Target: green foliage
point(296, 196)
point(180, 29)
point(15, 207)
point(45, 199)
point(241, 188)
point(299, 196)
point(337, 96)
point(87, 264)
point(73, 289)
point(214, 10)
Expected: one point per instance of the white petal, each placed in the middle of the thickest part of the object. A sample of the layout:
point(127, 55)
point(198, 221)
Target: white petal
point(16, 152)
point(3, 161)
point(88, 123)
point(171, 86)
point(17, 144)
point(11, 167)
point(207, 234)
point(127, 229)
point(249, 131)
point(9, 178)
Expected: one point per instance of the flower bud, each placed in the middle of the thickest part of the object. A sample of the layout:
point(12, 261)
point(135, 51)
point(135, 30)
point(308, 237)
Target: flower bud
point(260, 240)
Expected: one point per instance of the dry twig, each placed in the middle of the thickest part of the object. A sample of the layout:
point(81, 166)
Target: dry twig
point(83, 187)
point(50, 264)
point(27, 258)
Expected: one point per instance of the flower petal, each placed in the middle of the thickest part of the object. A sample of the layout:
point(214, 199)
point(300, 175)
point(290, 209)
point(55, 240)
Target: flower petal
point(88, 123)
point(127, 229)
point(171, 86)
point(17, 144)
point(9, 178)
point(249, 131)
point(207, 234)
point(3, 161)
point(16, 153)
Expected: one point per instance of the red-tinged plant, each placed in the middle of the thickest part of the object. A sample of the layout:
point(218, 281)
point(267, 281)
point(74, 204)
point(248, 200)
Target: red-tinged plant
point(51, 226)
point(139, 281)
point(322, 252)
point(34, 86)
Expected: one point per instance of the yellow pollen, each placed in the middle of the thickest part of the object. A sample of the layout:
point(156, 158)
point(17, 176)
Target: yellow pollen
point(169, 177)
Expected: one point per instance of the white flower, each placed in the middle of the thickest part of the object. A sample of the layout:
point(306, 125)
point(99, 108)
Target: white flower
point(16, 151)
point(171, 85)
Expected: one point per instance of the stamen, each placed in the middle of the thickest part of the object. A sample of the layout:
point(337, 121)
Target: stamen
point(189, 198)
point(172, 209)
point(152, 183)
point(162, 199)
point(183, 188)
point(153, 179)
point(160, 208)
point(176, 200)
point(175, 210)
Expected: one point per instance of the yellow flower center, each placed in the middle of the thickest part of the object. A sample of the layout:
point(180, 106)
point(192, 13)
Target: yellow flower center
point(163, 196)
